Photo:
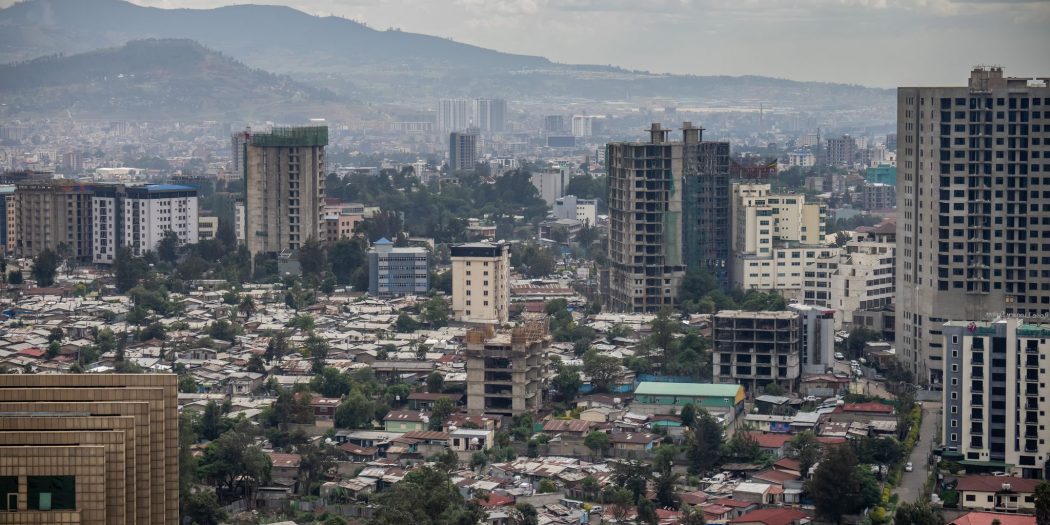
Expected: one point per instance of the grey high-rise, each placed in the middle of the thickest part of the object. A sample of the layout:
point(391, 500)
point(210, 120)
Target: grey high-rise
point(668, 211)
point(973, 196)
point(462, 150)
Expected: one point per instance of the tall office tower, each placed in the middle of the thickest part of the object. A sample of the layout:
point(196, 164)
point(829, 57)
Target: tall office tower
point(841, 151)
point(481, 282)
point(505, 369)
point(139, 216)
point(395, 271)
point(582, 125)
point(973, 201)
point(50, 213)
point(454, 114)
point(462, 150)
point(7, 213)
point(237, 141)
point(995, 394)
point(490, 114)
point(93, 449)
point(668, 210)
point(554, 124)
point(284, 178)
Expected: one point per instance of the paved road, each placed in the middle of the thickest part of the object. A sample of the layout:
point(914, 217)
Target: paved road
point(912, 483)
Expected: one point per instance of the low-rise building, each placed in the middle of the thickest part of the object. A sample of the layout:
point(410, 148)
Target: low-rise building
point(395, 271)
point(997, 493)
point(667, 398)
point(755, 349)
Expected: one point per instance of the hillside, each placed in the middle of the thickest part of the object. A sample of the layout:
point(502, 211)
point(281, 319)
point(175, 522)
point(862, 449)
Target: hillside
point(156, 78)
point(360, 63)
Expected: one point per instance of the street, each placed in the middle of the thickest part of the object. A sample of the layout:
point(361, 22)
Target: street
point(912, 483)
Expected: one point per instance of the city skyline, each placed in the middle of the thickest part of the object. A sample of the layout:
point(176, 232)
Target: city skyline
point(877, 43)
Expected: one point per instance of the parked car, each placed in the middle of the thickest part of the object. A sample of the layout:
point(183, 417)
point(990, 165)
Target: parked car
point(908, 467)
point(839, 356)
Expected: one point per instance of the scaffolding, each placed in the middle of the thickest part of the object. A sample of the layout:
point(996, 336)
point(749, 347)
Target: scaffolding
point(292, 136)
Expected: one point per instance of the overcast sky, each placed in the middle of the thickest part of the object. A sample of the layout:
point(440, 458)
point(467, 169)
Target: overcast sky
point(873, 42)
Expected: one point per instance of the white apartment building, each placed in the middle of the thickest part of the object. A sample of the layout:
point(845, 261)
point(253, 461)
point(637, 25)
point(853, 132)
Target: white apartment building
point(802, 158)
point(774, 239)
point(139, 216)
point(551, 183)
point(582, 125)
point(481, 282)
point(572, 207)
point(861, 277)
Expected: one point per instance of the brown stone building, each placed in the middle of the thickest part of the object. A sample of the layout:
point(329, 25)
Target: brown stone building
point(89, 449)
point(48, 213)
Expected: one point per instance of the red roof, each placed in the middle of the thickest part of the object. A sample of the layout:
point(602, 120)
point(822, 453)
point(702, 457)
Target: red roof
point(788, 464)
point(870, 407)
point(770, 440)
point(497, 500)
point(735, 503)
point(995, 484)
point(986, 518)
point(771, 516)
point(285, 460)
point(775, 476)
point(32, 352)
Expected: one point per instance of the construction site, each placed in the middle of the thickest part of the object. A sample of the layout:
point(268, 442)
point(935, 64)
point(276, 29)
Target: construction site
point(506, 368)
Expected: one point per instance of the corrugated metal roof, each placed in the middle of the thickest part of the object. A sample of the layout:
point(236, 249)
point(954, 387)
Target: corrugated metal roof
point(687, 389)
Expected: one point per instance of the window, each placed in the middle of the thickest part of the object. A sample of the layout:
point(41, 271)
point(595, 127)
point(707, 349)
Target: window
point(51, 492)
point(8, 485)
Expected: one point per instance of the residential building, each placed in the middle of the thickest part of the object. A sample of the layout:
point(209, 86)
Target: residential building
point(239, 221)
point(7, 213)
point(802, 158)
point(755, 349)
point(490, 114)
point(99, 449)
point(774, 238)
point(481, 282)
point(138, 217)
point(454, 115)
point(997, 493)
point(861, 277)
point(668, 211)
point(554, 124)
point(506, 368)
point(572, 207)
point(395, 271)
point(995, 395)
point(284, 177)
point(841, 152)
point(878, 196)
point(237, 142)
point(462, 150)
point(50, 213)
point(207, 227)
point(818, 337)
point(973, 191)
point(551, 183)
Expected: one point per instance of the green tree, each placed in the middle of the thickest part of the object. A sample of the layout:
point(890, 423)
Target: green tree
point(168, 247)
point(222, 329)
point(773, 389)
point(14, 277)
point(619, 499)
point(841, 486)
point(355, 411)
point(842, 238)
point(53, 348)
point(202, 508)
point(806, 449)
point(646, 512)
point(688, 415)
point(233, 459)
point(256, 364)
point(919, 513)
point(598, 443)
point(45, 265)
point(704, 441)
point(128, 270)
point(424, 496)
point(525, 514)
point(405, 324)
point(346, 257)
point(247, 307)
point(692, 517)
point(546, 486)
point(56, 335)
point(317, 349)
point(567, 382)
point(742, 448)
point(603, 370)
point(447, 461)
point(311, 257)
point(435, 312)
point(443, 408)
point(435, 382)
point(1042, 503)
point(277, 347)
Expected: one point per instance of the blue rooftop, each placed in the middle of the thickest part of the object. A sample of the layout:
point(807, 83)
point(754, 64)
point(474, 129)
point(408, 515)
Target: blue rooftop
point(168, 187)
point(384, 241)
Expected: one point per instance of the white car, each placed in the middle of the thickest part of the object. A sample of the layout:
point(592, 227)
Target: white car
point(839, 356)
point(908, 467)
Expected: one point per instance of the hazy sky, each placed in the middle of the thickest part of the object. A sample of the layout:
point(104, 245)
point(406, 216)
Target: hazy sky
point(873, 42)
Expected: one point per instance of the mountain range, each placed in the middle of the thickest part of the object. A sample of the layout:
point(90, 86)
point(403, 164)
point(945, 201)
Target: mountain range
point(358, 63)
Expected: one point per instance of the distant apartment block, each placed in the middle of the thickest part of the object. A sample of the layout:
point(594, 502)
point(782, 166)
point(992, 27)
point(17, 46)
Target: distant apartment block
point(554, 124)
point(395, 271)
point(841, 152)
point(551, 183)
point(53, 212)
point(881, 174)
point(93, 449)
point(462, 150)
point(582, 125)
point(284, 176)
point(755, 349)
point(453, 114)
point(207, 227)
point(861, 277)
point(973, 190)
point(506, 368)
point(7, 218)
point(774, 238)
point(995, 395)
point(481, 282)
point(878, 196)
point(818, 337)
point(138, 217)
point(802, 158)
point(572, 207)
point(490, 114)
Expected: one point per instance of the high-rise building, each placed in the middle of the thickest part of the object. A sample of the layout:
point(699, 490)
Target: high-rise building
point(284, 176)
point(481, 282)
point(582, 125)
point(395, 271)
point(454, 114)
point(973, 195)
point(462, 150)
point(841, 151)
point(7, 213)
point(817, 326)
point(506, 368)
point(755, 349)
point(237, 142)
point(878, 196)
point(668, 210)
point(139, 216)
point(490, 114)
point(94, 449)
point(50, 213)
point(774, 238)
point(573, 207)
point(995, 394)
point(551, 183)
point(554, 124)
